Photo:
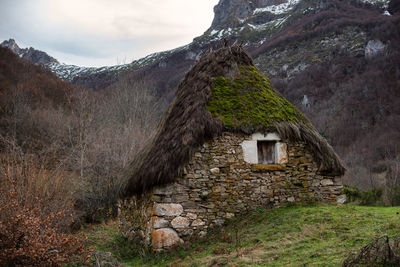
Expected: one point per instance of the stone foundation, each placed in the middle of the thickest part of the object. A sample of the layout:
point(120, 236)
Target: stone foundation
point(217, 184)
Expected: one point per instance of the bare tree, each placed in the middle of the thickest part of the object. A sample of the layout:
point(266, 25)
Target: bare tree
point(109, 131)
point(392, 192)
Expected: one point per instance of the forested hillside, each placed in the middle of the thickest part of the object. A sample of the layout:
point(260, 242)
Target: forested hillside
point(62, 152)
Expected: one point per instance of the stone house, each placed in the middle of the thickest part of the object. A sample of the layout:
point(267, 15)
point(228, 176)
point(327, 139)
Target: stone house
point(228, 143)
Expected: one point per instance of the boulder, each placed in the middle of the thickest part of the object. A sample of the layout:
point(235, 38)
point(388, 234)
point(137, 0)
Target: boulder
point(168, 209)
point(159, 222)
point(326, 182)
point(180, 222)
point(191, 216)
point(373, 48)
point(341, 199)
point(164, 238)
point(214, 170)
point(198, 222)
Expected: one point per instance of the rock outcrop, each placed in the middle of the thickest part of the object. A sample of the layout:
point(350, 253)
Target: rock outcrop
point(30, 54)
point(228, 11)
point(374, 48)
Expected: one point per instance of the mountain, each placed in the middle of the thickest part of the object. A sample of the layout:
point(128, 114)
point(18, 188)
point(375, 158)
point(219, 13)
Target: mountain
point(65, 71)
point(30, 54)
point(91, 77)
point(251, 23)
point(336, 60)
point(260, 26)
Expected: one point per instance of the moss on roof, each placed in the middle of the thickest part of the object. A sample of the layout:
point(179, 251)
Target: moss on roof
point(249, 102)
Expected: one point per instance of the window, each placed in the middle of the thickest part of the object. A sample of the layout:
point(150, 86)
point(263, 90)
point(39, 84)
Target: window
point(263, 148)
point(266, 152)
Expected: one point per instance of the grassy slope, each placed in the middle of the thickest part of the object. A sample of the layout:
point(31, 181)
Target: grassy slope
point(292, 236)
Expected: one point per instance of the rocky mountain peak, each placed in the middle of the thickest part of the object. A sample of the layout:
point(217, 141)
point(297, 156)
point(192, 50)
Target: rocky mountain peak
point(231, 13)
point(12, 45)
point(230, 9)
point(257, 13)
point(31, 54)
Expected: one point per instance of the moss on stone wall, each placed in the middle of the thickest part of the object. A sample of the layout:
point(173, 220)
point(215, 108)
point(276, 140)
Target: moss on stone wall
point(249, 102)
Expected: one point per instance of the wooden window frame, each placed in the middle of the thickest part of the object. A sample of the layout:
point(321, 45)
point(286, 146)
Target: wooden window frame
point(266, 152)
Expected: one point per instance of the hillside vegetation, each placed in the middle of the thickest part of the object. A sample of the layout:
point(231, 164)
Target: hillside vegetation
point(291, 236)
point(61, 152)
point(90, 136)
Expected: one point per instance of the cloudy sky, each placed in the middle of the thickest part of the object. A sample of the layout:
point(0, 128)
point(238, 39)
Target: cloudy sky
point(103, 32)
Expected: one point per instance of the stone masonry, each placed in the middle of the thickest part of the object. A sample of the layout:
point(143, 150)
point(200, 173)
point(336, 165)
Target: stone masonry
point(218, 184)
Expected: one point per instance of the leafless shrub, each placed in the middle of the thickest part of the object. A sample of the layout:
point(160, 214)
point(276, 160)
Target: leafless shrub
point(380, 252)
point(35, 211)
point(392, 188)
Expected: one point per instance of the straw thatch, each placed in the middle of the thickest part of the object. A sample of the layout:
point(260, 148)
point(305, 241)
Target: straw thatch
point(188, 122)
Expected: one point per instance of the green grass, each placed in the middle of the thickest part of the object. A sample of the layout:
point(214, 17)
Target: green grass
point(292, 236)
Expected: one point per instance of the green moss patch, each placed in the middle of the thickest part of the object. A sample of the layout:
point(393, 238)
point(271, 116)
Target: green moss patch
point(266, 168)
point(249, 102)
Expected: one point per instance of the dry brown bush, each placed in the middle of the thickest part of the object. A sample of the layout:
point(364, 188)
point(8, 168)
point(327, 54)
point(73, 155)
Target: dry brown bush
point(35, 211)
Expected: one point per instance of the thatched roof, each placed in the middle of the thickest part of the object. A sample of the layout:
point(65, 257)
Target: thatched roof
point(222, 92)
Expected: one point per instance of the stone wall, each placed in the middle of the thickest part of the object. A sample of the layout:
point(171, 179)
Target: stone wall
point(217, 184)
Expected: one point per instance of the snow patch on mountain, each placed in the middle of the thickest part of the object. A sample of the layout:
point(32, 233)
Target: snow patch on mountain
point(384, 3)
point(271, 24)
point(213, 32)
point(277, 9)
point(69, 72)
